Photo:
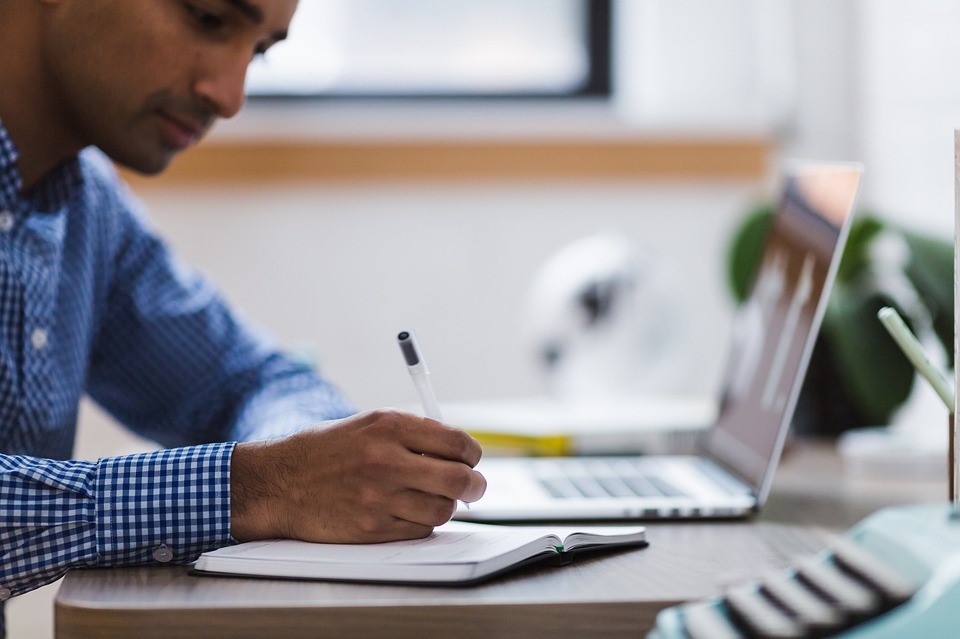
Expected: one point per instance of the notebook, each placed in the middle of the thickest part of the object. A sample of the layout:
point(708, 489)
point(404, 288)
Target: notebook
point(773, 336)
point(457, 553)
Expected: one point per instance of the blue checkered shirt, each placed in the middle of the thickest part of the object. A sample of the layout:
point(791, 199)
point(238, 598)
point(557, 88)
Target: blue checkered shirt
point(92, 301)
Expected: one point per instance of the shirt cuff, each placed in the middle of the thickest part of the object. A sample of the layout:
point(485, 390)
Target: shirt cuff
point(165, 506)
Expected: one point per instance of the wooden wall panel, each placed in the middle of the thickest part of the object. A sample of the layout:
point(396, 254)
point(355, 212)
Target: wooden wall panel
point(243, 163)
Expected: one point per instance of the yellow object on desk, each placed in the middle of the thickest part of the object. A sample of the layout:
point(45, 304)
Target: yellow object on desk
point(546, 426)
point(524, 445)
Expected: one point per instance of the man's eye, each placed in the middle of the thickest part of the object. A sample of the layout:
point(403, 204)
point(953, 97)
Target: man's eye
point(206, 20)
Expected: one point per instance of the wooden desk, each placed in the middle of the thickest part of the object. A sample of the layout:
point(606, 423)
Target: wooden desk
point(610, 596)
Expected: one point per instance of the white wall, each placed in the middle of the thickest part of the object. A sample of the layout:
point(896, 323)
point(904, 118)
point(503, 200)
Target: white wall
point(910, 83)
point(701, 66)
point(344, 268)
point(822, 121)
point(880, 83)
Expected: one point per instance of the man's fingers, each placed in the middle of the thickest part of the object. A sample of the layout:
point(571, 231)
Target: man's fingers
point(423, 508)
point(430, 437)
point(400, 529)
point(453, 480)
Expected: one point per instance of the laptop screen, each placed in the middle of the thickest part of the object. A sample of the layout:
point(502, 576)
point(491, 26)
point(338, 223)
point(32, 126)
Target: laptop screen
point(775, 329)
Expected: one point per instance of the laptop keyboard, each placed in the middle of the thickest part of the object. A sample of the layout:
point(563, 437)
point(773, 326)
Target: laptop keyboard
point(575, 479)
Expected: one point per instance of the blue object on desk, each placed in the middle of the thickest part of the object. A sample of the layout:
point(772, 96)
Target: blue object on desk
point(896, 574)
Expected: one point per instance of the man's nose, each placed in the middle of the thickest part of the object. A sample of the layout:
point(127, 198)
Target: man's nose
point(221, 84)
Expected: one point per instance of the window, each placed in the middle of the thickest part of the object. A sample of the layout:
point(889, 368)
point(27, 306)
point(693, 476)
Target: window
point(440, 48)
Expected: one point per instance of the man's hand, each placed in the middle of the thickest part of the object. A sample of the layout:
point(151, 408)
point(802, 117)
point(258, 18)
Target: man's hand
point(377, 476)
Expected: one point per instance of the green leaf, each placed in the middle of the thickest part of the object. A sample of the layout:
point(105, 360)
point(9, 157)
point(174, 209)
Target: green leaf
point(931, 271)
point(856, 253)
point(746, 249)
point(875, 372)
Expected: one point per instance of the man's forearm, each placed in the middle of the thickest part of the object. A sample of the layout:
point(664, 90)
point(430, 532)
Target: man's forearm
point(165, 506)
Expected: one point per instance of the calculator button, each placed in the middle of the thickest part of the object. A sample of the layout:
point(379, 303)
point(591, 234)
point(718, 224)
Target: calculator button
point(843, 590)
point(805, 606)
point(892, 584)
point(760, 617)
point(702, 621)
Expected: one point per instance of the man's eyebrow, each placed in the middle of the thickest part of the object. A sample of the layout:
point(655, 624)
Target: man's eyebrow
point(253, 13)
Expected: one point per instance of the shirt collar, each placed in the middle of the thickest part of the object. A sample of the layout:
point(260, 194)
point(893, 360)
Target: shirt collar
point(51, 193)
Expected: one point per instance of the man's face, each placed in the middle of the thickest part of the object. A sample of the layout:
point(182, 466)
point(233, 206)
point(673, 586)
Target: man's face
point(145, 79)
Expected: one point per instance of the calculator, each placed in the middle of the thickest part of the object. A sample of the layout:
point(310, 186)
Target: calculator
point(894, 575)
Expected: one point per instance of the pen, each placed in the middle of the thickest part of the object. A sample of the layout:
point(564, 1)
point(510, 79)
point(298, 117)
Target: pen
point(908, 343)
point(421, 377)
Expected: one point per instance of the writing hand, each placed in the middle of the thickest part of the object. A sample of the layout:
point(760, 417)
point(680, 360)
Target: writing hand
point(378, 476)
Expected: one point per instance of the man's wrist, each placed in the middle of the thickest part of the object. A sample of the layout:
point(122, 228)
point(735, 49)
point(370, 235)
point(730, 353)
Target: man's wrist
point(256, 491)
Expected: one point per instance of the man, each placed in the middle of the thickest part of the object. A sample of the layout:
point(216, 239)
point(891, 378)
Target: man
point(91, 301)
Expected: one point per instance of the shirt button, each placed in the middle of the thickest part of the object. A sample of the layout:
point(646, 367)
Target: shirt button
point(163, 554)
point(4, 594)
point(39, 338)
point(6, 221)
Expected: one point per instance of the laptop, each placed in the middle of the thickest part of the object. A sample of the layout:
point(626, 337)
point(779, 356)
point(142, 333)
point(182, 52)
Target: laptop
point(773, 336)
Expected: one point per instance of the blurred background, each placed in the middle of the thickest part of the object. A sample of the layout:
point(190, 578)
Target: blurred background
point(416, 164)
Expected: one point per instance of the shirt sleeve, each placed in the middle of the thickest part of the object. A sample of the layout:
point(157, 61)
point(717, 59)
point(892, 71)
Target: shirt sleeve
point(175, 363)
point(164, 506)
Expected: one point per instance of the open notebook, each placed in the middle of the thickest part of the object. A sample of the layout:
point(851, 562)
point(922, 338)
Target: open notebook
point(773, 336)
point(456, 553)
